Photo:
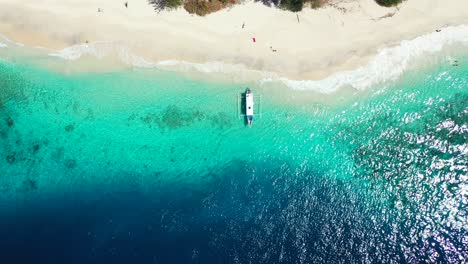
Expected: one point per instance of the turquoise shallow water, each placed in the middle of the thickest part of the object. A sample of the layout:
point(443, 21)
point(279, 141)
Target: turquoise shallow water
point(148, 166)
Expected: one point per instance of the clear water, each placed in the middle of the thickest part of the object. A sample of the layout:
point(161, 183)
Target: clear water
point(143, 166)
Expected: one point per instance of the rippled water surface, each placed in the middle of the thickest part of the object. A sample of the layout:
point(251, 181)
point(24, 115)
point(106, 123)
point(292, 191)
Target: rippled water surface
point(144, 166)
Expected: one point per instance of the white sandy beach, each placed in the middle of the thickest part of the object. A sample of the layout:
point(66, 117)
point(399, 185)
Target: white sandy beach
point(325, 41)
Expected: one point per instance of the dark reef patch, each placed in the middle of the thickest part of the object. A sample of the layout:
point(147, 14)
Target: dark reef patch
point(10, 122)
point(3, 134)
point(36, 148)
point(221, 120)
point(148, 118)
point(69, 128)
point(174, 117)
point(70, 163)
point(30, 185)
point(10, 159)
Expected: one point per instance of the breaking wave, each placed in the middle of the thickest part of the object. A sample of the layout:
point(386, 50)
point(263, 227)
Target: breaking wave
point(388, 65)
point(7, 40)
point(124, 53)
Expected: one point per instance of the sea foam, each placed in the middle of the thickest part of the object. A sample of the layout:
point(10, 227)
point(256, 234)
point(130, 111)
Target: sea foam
point(100, 50)
point(124, 53)
point(387, 65)
point(7, 40)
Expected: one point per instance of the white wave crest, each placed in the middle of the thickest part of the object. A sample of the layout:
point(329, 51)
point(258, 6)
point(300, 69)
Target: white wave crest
point(123, 52)
point(387, 65)
point(100, 50)
point(7, 40)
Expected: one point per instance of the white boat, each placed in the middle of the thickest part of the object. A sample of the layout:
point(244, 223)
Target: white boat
point(249, 106)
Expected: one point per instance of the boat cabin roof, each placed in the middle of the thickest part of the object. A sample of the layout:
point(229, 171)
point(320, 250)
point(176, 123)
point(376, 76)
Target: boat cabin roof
point(249, 104)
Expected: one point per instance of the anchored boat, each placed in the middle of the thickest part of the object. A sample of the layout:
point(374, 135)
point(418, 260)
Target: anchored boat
point(249, 106)
point(245, 106)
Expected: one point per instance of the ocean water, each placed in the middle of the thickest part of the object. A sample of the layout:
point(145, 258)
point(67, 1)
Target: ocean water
point(147, 166)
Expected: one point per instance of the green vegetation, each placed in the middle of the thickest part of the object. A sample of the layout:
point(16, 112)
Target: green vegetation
point(173, 3)
point(292, 5)
point(199, 7)
point(165, 4)
point(388, 2)
point(204, 7)
point(316, 3)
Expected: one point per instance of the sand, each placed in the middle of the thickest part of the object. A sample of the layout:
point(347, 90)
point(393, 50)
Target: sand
point(325, 41)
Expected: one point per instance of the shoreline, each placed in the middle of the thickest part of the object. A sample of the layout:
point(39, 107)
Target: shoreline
point(387, 66)
point(277, 89)
point(177, 36)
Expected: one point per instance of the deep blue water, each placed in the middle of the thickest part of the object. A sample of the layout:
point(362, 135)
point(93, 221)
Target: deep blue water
point(121, 168)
